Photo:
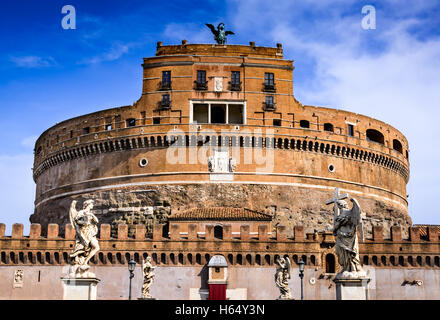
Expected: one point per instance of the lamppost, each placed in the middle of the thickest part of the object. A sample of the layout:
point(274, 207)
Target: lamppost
point(301, 275)
point(131, 266)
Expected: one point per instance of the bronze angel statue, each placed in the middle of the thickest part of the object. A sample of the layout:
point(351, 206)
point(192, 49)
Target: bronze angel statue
point(85, 224)
point(346, 223)
point(219, 34)
point(282, 277)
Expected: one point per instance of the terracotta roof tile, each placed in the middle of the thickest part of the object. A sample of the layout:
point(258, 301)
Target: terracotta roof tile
point(221, 213)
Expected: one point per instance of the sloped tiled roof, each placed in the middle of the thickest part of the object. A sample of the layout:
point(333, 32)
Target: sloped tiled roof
point(220, 213)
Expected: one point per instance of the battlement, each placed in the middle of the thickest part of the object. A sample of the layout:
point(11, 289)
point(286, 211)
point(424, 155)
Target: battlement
point(418, 233)
point(420, 250)
point(220, 50)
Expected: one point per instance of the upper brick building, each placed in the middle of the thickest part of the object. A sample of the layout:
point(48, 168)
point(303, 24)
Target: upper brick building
point(236, 104)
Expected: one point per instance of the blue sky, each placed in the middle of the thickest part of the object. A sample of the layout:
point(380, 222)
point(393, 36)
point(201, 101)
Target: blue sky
point(48, 74)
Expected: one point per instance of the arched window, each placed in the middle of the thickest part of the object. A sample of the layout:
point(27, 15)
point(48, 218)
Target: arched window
point(328, 127)
point(218, 232)
point(304, 124)
point(329, 263)
point(239, 259)
point(397, 146)
point(375, 136)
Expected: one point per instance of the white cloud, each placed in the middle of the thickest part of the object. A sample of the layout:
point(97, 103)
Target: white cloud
point(32, 61)
point(116, 51)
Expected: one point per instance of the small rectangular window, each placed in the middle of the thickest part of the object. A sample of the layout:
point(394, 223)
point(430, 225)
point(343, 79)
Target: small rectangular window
point(235, 77)
point(108, 127)
point(269, 79)
point(86, 130)
point(351, 130)
point(166, 98)
point(201, 76)
point(269, 100)
point(166, 77)
point(277, 122)
point(71, 134)
point(156, 120)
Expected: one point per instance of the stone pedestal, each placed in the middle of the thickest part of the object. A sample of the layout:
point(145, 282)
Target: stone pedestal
point(80, 288)
point(352, 289)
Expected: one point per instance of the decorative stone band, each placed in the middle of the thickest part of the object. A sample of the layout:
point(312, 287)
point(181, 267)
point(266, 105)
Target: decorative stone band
point(347, 151)
point(420, 250)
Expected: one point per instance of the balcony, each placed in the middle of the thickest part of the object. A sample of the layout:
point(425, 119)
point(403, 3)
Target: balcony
point(201, 85)
point(268, 106)
point(165, 85)
point(269, 87)
point(235, 86)
point(164, 104)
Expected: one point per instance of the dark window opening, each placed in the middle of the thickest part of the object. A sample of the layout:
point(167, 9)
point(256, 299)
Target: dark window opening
point(304, 124)
point(200, 113)
point(131, 122)
point(201, 83)
point(235, 81)
point(217, 269)
point(269, 79)
point(86, 130)
point(165, 102)
point(397, 146)
point(166, 80)
point(330, 263)
point(218, 114)
point(218, 232)
point(156, 120)
point(108, 127)
point(375, 136)
point(235, 114)
point(328, 127)
point(269, 104)
point(350, 130)
point(277, 122)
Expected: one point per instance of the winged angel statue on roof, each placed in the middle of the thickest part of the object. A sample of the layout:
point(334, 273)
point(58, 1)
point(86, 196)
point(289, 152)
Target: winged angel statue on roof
point(219, 34)
point(85, 224)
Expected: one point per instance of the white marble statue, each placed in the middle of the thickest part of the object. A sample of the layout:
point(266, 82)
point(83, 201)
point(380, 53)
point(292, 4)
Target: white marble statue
point(346, 223)
point(282, 277)
point(147, 270)
point(86, 243)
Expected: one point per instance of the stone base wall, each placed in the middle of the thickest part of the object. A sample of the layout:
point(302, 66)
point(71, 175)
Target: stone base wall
point(289, 205)
point(185, 283)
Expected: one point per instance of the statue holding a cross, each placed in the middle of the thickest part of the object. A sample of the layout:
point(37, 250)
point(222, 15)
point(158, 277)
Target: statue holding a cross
point(346, 223)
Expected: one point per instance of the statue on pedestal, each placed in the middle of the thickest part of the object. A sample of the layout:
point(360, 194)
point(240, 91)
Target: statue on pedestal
point(85, 224)
point(282, 277)
point(346, 223)
point(147, 270)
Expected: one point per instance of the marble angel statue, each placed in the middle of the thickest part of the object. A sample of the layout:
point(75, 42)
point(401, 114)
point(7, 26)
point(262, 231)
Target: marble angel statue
point(346, 223)
point(147, 270)
point(85, 224)
point(282, 277)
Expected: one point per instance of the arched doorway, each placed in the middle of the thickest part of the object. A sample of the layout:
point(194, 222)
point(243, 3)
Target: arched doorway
point(329, 263)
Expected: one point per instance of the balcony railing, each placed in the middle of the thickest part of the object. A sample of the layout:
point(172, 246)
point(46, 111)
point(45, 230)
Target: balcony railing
point(201, 85)
point(269, 87)
point(165, 85)
point(164, 104)
point(235, 86)
point(268, 106)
